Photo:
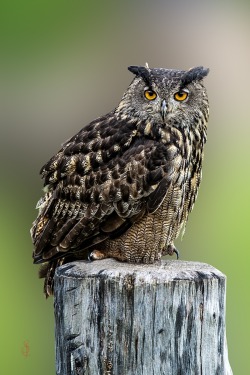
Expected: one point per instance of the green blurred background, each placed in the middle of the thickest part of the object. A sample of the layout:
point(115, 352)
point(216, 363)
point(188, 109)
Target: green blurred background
point(63, 63)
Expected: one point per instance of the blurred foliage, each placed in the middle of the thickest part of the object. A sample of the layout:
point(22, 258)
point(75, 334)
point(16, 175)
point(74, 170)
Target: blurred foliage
point(64, 63)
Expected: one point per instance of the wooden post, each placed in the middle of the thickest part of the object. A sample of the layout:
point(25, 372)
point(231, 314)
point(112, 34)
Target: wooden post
point(117, 318)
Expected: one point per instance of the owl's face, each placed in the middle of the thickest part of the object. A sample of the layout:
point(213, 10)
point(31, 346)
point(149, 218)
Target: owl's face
point(165, 96)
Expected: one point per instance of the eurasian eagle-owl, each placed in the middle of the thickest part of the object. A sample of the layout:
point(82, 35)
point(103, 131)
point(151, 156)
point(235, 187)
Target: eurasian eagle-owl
point(124, 185)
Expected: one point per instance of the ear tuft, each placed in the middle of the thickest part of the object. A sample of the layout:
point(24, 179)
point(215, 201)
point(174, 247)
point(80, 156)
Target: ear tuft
point(141, 71)
point(194, 74)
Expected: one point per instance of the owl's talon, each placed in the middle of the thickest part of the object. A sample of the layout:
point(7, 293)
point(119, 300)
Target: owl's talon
point(177, 253)
point(170, 250)
point(90, 259)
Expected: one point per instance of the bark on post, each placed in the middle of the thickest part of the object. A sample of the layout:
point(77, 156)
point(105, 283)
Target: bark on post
point(125, 319)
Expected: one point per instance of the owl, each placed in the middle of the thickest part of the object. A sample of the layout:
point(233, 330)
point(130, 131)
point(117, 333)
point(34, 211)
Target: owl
point(124, 185)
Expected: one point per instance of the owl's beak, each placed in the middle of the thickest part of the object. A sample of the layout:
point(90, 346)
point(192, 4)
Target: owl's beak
point(164, 109)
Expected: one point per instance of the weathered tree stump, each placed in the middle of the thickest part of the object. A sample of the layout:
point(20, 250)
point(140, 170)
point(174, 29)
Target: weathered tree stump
point(126, 319)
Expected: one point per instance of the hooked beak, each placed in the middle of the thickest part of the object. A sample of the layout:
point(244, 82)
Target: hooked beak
point(164, 109)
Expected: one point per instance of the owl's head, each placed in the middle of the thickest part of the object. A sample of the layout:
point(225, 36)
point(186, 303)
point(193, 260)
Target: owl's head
point(166, 96)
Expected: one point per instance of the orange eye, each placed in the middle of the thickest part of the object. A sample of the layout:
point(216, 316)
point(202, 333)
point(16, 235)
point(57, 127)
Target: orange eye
point(150, 94)
point(180, 96)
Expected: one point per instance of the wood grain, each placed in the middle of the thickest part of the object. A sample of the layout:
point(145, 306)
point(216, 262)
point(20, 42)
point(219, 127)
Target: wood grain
point(126, 319)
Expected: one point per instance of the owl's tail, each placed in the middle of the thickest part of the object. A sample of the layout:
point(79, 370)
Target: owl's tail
point(47, 271)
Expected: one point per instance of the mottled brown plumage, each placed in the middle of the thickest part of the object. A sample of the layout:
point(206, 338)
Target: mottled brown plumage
point(124, 185)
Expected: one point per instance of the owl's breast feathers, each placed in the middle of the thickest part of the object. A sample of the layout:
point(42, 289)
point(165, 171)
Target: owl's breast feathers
point(108, 177)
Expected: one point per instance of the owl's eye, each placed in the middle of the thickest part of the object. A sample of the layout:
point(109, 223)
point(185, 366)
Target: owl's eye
point(150, 94)
point(180, 96)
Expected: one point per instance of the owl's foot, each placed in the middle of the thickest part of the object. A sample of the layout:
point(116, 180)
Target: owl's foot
point(97, 255)
point(170, 250)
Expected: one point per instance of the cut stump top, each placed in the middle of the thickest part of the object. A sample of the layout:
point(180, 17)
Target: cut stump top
point(162, 271)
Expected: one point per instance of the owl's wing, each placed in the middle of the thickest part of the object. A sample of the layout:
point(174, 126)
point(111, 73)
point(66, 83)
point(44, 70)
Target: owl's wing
point(95, 192)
